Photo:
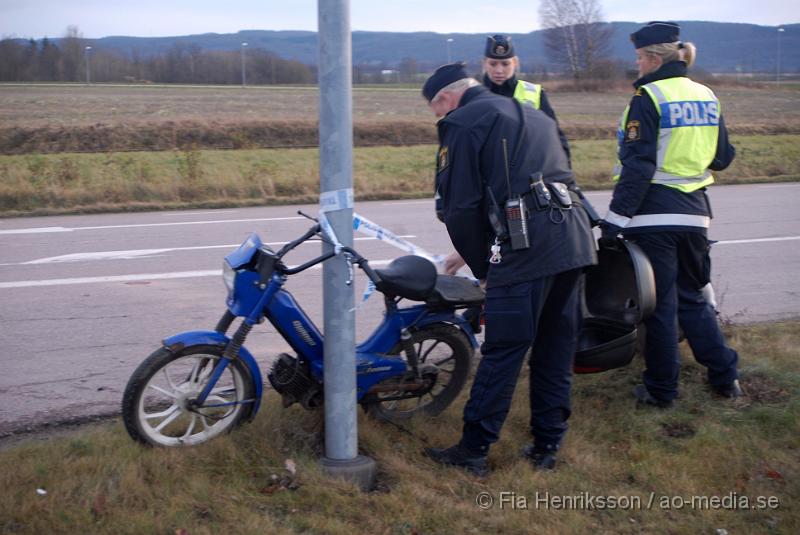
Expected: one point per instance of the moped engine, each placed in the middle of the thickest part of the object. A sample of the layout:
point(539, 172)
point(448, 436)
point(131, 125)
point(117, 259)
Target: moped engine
point(292, 379)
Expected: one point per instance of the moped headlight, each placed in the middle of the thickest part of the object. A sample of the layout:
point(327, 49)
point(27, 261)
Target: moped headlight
point(228, 275)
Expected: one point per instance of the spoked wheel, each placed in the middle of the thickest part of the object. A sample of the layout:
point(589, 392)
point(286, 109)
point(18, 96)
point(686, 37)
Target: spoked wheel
point(446, 348)
point(157, 405)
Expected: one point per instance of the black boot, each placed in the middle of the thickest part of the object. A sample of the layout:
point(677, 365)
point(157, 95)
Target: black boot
point(730, 391)
point(644, 397)
point(542, 459)
point(457, 455)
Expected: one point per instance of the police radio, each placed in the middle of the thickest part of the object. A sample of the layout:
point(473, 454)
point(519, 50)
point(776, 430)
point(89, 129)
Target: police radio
point(516, 212)
point(517, 218)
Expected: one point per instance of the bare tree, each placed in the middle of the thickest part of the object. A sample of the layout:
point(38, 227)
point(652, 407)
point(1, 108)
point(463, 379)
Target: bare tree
point(72, 51)
point(575, 34)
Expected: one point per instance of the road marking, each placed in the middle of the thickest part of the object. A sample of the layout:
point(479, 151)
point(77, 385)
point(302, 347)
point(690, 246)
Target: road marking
point(138, 277)
point(115, 278)
point(147, 253)
point(40, 230)
point(404, 203)
point(214, 212)
point(757, 240)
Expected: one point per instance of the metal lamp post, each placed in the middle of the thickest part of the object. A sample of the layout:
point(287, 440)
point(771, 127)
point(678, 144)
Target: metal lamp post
point(244, 71)
point(336, 201)
point(86, 51)
point(449, 40)
point(778, 63)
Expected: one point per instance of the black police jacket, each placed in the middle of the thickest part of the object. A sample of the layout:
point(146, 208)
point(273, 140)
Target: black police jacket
point(507, 89)
point(634, 194)
point(472, 156)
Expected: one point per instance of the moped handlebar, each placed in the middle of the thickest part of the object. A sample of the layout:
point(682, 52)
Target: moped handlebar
point(362, 262)
point(292, 244)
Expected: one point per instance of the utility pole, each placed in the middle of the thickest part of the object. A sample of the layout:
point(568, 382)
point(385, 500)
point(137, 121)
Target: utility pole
point(778, 62)
point(244, 77)
point(449, 40)
point(336, 202)
point(86, 52)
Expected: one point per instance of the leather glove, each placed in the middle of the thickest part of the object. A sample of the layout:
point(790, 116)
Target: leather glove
point(608, 234)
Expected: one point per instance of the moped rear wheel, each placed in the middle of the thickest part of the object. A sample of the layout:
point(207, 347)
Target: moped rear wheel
point(157, 404)
point(444, 346)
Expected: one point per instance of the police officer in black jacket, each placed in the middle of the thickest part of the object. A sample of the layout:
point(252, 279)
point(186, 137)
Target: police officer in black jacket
point(490, 149)
point(670, 137)
point(500, 66)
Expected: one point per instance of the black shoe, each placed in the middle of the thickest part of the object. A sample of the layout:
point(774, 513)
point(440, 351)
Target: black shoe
point(541, 460)
point(731, 391)
point(459, 456)
point(643, 397)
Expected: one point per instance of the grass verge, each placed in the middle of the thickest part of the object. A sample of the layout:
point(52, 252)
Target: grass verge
point(38, 184)
point(101, 482)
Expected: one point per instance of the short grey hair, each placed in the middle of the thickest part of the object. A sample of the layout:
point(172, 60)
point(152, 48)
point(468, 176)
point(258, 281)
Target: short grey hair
point(458, 85)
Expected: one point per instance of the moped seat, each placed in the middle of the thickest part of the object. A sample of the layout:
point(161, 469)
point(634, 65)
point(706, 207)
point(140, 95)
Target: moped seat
point(452, 290)
point(412, 277)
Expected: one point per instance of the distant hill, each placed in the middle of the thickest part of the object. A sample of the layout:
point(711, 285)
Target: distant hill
point(722, 47)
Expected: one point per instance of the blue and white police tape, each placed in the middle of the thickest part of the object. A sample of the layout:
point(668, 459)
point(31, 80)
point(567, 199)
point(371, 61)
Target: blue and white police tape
point(372, 229)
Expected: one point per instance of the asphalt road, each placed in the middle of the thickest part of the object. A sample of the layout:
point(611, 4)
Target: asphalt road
point(84, 299)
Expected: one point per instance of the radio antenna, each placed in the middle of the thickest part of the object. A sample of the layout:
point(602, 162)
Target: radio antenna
point(505, 161)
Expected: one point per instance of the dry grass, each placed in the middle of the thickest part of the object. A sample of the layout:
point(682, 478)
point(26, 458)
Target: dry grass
point(101, 482)
point(42, 184)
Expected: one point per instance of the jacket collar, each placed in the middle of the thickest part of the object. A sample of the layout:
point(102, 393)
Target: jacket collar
point(506, 89)
point(673, 69)
point(470, 94)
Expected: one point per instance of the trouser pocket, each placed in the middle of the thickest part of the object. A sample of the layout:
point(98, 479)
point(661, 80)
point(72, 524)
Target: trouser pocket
point(508, 314)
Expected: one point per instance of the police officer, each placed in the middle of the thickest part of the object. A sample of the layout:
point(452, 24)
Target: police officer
point(671, 134)
point(489, 148)
point(500, 65)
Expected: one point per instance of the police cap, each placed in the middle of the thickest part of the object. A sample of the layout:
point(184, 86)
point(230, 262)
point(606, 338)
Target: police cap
point(656, 32)
point(499, 47)
point(444, 76)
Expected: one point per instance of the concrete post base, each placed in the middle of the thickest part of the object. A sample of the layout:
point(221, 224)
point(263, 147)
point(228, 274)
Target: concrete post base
point(362, 470)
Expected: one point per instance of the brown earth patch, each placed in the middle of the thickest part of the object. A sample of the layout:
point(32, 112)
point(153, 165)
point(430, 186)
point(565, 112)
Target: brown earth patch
point(760, 389)
point(678, 429)
point(190, 134)
point(172, 135)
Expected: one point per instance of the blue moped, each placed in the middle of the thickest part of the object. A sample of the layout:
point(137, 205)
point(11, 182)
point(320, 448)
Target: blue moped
point(201, 384)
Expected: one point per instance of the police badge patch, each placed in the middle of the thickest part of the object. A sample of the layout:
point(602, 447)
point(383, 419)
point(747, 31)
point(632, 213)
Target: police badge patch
point(442, 159)
point(632, 131)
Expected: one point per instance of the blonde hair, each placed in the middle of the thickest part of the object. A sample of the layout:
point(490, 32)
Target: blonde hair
point(677, 51)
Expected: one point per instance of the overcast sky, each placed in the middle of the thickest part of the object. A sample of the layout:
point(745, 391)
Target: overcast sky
point(148, 18)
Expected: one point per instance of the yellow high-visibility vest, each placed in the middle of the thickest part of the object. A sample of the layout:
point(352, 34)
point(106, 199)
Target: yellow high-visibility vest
point(528, 92)
point(687, 136)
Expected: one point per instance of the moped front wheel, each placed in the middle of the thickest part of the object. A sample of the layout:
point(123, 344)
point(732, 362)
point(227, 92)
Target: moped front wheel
point(158, 408)
point(449, 350)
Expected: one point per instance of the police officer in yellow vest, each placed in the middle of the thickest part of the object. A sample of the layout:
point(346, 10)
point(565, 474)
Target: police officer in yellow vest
point(500, 64)
point(670, 136)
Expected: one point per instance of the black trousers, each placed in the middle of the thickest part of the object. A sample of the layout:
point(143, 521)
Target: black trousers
point(546, 314)
point(682, 267)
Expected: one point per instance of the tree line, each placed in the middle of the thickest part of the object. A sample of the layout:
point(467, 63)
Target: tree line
point(576, 38)
point(71, 61)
